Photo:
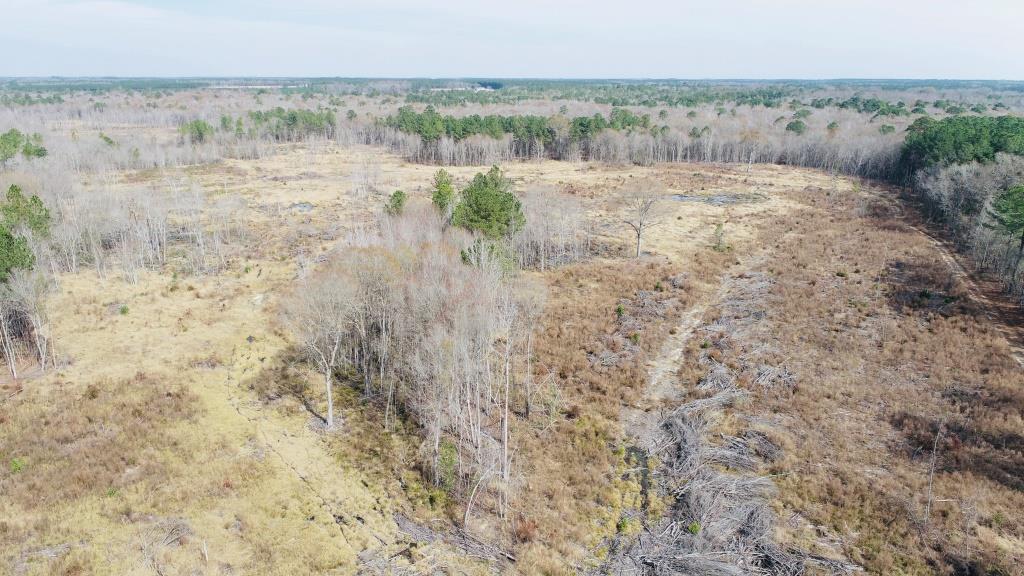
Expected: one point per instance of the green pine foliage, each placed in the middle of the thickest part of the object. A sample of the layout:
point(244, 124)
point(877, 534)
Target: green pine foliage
point(1007, 212)
point(14, 253)
point(198, 131)
point(960, 140)
point(10, 144)
point(293, 125)
point(797, 127)
point(444, 192)
point(14, 142)
point(489, 206)
point(396, 203)
point(431, 126)
point(20, 215)
point(19, 212)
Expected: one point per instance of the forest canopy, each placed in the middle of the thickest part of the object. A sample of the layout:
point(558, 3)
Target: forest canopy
point(960, 140)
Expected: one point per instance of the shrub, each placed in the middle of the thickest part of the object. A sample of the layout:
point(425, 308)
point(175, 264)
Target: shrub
point(197, 131)
point(720, 245)
point(444, 193)
point(886, 129)
point(447, 465)
point(797, 127)
point(395, 203)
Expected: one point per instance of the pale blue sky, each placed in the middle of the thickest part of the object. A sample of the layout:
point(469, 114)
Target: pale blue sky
point(515, 38)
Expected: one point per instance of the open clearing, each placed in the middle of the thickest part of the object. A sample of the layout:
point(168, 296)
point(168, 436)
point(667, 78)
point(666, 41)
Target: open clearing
point(236, 476)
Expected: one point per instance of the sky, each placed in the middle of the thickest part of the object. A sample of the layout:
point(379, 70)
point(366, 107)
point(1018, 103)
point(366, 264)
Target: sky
point(515, 38)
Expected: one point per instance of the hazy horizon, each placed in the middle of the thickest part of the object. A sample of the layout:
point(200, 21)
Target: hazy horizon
point(708, 79)
point(748, 40)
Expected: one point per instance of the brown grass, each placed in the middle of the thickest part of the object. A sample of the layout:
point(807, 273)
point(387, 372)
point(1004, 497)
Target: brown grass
point(885, 348)
point(110, 438)
point(576, 490)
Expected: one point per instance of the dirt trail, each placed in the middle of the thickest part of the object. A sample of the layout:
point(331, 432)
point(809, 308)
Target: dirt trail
point(662, 390)
point(1006, 316)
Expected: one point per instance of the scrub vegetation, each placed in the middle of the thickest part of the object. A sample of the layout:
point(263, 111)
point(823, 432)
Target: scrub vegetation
point(516, 326)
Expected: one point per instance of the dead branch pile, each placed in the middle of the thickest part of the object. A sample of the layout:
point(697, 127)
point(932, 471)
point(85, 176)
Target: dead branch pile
point(720, 521)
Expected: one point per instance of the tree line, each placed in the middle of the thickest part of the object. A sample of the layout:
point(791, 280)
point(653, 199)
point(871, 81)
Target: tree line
point(969, 174)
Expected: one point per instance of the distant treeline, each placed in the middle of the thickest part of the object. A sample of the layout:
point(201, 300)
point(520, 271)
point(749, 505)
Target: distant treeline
point(431, 126)
point(615, 94)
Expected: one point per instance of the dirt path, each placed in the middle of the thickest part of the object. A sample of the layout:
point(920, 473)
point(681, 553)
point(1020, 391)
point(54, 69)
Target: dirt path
point(1006, 316)
point(662, 390)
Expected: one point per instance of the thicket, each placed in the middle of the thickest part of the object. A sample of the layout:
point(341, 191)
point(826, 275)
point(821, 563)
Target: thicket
point(968, 173)
point(295, 124)
point(437, 335)
point(14, 142)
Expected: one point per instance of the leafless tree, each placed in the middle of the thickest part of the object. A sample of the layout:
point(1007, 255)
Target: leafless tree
point(440, 338)
point(555, 233)
point(319, 315)
point(8, 318)
point(26, 292)
point(641, 201)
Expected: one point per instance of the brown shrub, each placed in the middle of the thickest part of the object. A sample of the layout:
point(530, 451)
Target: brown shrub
point(86, 442)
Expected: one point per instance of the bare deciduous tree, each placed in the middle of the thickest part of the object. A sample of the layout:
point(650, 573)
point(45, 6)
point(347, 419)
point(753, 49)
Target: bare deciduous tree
point(319, 314)
point(555, 232)
point(441, 339)
point(27, 290)
point(640, 215)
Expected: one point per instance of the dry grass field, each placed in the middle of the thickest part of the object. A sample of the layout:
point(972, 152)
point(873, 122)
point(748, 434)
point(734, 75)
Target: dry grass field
point(175, 437)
